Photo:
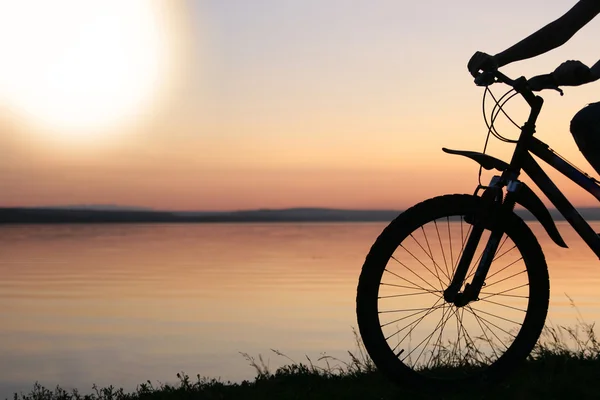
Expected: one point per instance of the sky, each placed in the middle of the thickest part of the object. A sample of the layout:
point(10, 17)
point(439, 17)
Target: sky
point(232, 104)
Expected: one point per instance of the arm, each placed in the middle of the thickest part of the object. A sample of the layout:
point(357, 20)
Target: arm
point(552, 35)
point(595, 70)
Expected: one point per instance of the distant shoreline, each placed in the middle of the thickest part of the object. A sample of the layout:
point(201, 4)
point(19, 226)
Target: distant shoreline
point(63, 216)
point(314, 215)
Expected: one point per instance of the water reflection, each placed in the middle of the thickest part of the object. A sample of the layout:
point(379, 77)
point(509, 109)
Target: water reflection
point(120, 304)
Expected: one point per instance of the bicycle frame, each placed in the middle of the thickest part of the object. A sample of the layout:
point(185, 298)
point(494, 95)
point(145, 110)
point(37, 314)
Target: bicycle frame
point(562, 204)
point(522, 160)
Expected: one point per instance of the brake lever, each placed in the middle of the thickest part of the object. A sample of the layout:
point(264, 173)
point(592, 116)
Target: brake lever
point(542, 82)
point(559, 90)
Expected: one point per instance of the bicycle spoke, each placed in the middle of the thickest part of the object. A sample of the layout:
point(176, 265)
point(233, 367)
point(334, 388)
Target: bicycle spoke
point(439, 339)
point(462, 311)
point(403, 318)
point(428, 338)
point(473, 267)
point(429, 248)
point(506, 252)
point(504, 305)
point(503, 293)
point(414, 273)
point(405, 310)
point(457, 343)
point(496, 316)
point(402, 295)
point(509, 265)
point(404, 279)
point(464, 242)
point(441, 246)
point(476, 264)
point(424, 266)
point(415, 325)
point(450, 240)
point(505, 279)
point(408, 287)
point(485, 335)
point(484, 322)
point(430, 255)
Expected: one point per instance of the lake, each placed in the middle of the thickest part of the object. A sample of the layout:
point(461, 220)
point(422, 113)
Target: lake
point(122, 304)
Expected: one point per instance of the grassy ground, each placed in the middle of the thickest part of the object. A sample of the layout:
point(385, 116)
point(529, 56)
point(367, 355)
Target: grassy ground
point(564, 365)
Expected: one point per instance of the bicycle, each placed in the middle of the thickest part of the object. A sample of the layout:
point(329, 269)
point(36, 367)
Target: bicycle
point(469, 275)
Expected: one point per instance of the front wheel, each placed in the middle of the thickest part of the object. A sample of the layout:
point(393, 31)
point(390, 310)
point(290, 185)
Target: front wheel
point(417, 338)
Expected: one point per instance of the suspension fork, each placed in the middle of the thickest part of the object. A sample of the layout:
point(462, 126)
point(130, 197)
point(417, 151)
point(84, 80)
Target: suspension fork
point(483, 218)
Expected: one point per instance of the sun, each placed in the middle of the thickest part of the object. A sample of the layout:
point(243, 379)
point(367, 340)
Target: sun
point(77, 66)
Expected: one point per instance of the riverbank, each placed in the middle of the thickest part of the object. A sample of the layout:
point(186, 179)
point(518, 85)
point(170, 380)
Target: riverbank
point(565, 364)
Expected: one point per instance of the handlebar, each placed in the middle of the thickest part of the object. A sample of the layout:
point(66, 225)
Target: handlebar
point(524, 86)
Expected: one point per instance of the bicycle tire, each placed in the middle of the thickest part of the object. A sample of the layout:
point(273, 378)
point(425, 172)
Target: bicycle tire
point(367, 302)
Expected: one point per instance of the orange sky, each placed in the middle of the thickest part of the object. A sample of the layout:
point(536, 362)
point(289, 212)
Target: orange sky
point(223, 104)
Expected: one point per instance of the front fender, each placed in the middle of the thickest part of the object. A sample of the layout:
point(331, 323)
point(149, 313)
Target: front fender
point(523, 196)
point(486, 161)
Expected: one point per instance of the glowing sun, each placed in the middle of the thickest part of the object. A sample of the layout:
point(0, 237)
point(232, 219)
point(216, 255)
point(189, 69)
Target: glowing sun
point(81, 66)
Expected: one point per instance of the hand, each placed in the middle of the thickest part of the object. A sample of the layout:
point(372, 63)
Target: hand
point(572, 73)
point(541, 82)
point(481, 62)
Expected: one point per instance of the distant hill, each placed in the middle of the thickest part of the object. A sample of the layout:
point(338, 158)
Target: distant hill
point(297, 214)
point(87, 214)
point(95, 207)
point(116, 214)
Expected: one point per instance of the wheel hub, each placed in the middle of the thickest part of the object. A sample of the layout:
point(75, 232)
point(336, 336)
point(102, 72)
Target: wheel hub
point(465, 297)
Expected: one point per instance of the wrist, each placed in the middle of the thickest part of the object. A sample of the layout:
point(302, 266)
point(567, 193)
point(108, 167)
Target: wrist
point(500, 60)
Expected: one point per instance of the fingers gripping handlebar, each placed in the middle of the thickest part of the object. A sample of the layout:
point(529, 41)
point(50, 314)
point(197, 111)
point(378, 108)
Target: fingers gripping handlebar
point(522, 85)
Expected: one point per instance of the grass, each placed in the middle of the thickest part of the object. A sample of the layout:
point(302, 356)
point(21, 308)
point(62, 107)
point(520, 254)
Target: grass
point(565, 364)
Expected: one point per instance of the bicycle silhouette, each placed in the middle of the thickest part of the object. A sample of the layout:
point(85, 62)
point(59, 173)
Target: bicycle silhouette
point(454, 292)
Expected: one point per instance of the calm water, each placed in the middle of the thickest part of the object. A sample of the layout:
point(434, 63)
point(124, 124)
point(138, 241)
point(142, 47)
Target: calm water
point(121, 304)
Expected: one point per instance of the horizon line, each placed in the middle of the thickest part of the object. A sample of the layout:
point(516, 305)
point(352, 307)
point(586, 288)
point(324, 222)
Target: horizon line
point(114, 207)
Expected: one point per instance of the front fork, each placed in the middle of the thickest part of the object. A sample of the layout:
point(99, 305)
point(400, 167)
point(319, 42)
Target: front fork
point(483, 218)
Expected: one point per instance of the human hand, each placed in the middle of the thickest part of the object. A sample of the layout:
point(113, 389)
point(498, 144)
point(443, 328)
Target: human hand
point(481, 61)
point(572, 73)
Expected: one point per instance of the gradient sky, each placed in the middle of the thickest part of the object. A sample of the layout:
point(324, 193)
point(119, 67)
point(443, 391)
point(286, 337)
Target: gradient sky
point(265, 103)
